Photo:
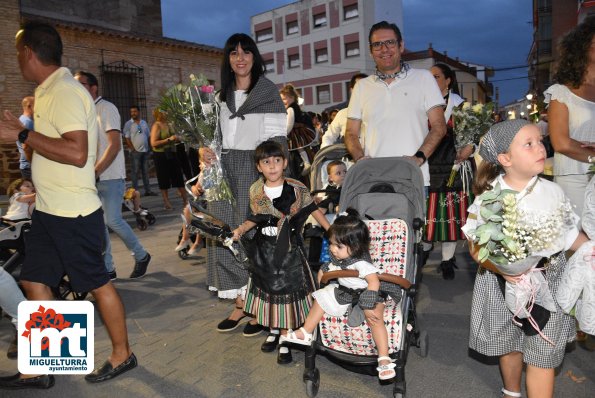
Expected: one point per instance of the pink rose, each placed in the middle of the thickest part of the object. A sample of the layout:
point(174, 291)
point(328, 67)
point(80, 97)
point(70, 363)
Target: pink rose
point(207, 89)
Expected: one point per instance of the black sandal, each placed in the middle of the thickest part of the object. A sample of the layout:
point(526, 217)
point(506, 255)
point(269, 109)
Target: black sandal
point(227, 325)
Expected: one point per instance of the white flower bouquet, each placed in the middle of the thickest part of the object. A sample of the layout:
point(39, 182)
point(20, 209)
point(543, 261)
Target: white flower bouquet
point(470, 123)
point(515, 242)
point(194, 113)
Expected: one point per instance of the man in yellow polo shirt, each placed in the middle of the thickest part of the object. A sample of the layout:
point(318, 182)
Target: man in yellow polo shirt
point(67, 234)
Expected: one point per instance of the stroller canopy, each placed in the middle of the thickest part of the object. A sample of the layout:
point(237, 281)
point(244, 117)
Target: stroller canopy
point(400, 175)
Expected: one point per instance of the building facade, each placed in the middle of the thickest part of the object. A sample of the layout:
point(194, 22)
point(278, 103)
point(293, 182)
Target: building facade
point(317, 45)
point(552, 19)
point(473, 80)
point(120, 41)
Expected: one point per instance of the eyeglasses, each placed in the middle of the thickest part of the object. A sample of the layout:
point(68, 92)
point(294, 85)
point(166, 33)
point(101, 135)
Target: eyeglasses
point(389, 44)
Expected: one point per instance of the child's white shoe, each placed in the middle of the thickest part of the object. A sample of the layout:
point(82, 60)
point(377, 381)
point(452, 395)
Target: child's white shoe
point(291, 337)
point(194, 251)
point(184, 244)
point(387, 371)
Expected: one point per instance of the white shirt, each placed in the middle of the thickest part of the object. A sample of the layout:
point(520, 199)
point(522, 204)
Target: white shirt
point(272, 193)
point(139, 134)
point(17, 210)
point(108, 118)
point(581, 127)
point(545, 198)
point(245, 134)
point(363, 267)
point(336, 130)
point(394, 117)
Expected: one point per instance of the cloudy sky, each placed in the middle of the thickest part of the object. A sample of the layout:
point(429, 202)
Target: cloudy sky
point(496, 33)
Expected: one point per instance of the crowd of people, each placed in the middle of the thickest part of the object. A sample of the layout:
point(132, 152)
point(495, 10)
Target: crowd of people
point(80, 147)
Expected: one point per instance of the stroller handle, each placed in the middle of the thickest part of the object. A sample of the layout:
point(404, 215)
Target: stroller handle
point(207, 224)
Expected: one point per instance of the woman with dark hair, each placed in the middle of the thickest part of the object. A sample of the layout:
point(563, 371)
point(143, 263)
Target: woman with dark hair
point(571, 116)
point(251, 112)
point(571, 111)
point(447, 206)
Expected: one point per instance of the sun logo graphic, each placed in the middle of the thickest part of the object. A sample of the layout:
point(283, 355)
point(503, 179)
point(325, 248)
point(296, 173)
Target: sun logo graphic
point(56, 337)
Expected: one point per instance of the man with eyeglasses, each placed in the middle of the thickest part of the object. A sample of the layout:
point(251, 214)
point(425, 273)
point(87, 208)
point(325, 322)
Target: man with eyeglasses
point(388, 113)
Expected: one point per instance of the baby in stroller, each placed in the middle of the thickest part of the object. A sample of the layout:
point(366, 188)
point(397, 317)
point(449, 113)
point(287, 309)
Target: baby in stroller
point(329, 203)
point(22, 198)
point(131, 201)
point(350, 249)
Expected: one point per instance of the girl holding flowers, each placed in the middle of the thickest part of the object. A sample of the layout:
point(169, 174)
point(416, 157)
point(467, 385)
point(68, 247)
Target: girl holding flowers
point(514, 157)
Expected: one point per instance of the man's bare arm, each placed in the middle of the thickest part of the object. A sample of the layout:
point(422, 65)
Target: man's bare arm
point(71, 148)
point(352, 131)
point(437, 131)
point(114, 144)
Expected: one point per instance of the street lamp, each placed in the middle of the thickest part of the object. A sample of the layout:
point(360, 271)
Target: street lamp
point(529, 97)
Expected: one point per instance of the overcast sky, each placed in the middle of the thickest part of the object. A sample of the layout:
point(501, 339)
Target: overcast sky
point(496, 33)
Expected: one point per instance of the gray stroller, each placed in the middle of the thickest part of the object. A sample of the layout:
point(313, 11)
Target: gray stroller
point(389, 193)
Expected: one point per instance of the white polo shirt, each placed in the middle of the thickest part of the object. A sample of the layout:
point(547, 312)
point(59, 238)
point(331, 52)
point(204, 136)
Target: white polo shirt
point(395, 116)
point(108, 119)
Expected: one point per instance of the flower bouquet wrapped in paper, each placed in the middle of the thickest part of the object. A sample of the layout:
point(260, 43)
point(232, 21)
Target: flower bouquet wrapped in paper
point(515, 242)
point(470, 123)
point(194, 112)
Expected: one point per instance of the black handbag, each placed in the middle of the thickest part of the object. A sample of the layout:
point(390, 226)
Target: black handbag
point(275, 276)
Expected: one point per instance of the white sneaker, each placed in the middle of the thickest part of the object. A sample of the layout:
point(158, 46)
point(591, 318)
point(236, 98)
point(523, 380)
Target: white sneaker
point(194, 251)
point(183, 245)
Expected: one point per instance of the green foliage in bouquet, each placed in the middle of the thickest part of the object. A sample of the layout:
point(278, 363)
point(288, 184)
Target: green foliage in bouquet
point(496, 237)
point(471, 122)
point(192, 110)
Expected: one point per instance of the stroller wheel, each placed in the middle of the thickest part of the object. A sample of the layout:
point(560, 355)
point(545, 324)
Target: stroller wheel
point(64, 291)
point(151, 219)
point(423, 343)
point(399, 390)
point(312, 385)
point(183, 254)
point(142, 224)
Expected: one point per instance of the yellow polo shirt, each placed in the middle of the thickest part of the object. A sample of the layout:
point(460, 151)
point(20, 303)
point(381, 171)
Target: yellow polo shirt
point(61, 105)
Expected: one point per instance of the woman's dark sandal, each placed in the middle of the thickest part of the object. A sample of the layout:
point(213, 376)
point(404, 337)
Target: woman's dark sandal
point(227, 325)
point(107, 371)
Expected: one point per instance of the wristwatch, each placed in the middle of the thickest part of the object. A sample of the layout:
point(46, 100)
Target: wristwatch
point(421, 155)
point(23, 135)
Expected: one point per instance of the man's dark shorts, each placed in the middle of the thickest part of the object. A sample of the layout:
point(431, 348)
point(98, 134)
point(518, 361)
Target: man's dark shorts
point(58, 246)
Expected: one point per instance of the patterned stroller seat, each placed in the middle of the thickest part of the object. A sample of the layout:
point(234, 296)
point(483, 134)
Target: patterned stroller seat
point(389, 192)
point(389, 252)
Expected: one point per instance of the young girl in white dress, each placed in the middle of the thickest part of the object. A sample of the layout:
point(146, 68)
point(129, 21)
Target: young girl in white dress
point(514, 157)
point(22, 196)
point(350, 249)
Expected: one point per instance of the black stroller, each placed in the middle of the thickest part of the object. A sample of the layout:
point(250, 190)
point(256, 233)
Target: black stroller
point(389, 192)
point(12, 255)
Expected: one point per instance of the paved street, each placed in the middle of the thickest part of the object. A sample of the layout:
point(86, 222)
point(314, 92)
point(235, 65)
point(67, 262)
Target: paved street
point(172, 319)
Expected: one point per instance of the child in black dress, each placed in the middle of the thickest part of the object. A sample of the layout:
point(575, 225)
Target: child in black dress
point(280, 285)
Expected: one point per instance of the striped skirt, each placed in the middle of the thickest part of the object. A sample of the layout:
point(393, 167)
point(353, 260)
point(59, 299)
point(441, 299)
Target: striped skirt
point(446, 214)
point(287, 311)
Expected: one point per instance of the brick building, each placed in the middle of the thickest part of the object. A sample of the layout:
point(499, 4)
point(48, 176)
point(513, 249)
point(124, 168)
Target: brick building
point(120, 41)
